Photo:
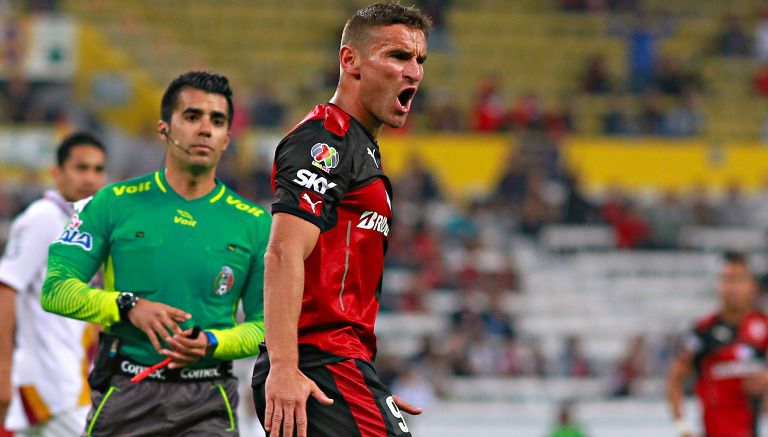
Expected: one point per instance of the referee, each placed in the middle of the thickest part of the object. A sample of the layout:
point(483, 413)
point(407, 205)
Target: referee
point(180, 250)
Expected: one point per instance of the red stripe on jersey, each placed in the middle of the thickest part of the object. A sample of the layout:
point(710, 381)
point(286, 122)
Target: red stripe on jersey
point(351, 383)
point(272, 179)
point(335, 121)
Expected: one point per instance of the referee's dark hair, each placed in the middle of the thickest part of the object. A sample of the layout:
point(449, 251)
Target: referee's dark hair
point(736, 257)
point(383, 14)
point(73, 140)
point(202, 80)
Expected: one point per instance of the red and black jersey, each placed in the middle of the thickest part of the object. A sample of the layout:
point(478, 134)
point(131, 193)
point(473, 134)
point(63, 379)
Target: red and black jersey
point(327, 170)
point(723, 355)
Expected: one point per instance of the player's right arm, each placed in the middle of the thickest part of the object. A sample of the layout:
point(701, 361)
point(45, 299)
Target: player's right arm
point(291, 241)
point(679, 370)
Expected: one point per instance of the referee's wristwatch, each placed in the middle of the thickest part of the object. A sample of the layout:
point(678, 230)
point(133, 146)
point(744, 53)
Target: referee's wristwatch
point(125, 303)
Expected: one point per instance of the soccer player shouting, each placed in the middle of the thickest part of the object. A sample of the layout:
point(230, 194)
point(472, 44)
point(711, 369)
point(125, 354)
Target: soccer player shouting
point(325, 258)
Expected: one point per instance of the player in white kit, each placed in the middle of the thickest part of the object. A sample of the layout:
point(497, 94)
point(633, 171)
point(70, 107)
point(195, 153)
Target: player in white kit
point(44, 366)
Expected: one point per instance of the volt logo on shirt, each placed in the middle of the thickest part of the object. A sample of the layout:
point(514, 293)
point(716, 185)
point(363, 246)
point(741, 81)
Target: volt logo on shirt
point(307, 179)
point(184, 218)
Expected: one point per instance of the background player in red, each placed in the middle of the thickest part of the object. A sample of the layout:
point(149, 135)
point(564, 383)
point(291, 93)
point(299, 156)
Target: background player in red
point(324, 261)
point(726, 351)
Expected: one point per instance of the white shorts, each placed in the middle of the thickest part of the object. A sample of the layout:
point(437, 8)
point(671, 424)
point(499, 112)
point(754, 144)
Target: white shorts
point(66, 424)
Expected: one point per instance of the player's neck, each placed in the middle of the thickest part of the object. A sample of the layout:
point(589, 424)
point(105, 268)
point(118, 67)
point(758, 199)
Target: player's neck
point(190, 185)
point(349, 103)
point(733, 315)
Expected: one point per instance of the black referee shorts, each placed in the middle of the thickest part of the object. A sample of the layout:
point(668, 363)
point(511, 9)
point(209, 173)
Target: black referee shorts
point(362, 404)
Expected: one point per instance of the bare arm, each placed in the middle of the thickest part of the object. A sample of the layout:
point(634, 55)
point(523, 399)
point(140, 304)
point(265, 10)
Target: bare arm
point(291, 241)
point(679, 370)
point(7, 328)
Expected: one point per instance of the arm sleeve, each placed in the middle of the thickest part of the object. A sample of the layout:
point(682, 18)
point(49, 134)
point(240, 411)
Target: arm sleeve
point(73, 258)
point(313, 170)
point(27, 249)
point(243, 339)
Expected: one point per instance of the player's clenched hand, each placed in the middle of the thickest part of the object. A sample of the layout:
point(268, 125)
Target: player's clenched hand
point(185, 350)
point(405, 406)
point(287, 391)
point(157, 319)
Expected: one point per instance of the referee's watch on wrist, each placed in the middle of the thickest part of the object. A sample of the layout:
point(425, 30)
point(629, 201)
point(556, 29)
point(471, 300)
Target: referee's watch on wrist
point(213, 343)
point(125, 303)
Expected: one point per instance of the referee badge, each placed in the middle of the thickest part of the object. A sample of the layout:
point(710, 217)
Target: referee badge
point(224, 281)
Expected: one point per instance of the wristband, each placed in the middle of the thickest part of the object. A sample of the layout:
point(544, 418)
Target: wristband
point(213, 343)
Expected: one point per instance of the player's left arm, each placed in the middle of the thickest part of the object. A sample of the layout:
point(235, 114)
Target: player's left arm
point(243, 339)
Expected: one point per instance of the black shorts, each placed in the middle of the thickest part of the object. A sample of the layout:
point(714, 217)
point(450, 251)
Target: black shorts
point(362, 404)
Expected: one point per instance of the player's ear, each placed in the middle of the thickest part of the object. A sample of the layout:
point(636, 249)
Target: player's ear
point(349, 59)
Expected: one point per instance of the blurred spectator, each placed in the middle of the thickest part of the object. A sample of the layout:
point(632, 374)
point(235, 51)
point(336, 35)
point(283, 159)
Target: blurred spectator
point(650, 119)
point(669, 78)
point(573, 361)
point(617, 121)
point(760, 81)
point(444, 115)
point(732, 39)
point(265, 109)
point(631, 228)
point(488, 113)
point(414, 387)
point(526, 112)
point(684, 119)
point(761, 36)
point(630, 368)
point(596, 79)
point(18, 101)
point(496, 318)
point(565, 426)
point(733, 210)
point(666, 220)
point(558, 120)
point(642, 34)
point(417, 183)
point(439, 37)
point(537, 208)
point(577, 209)
point(512, 184)
point(701, 211)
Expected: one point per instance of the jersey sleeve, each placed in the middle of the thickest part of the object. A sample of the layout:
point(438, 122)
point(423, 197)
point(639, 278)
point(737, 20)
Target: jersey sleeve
point(313, 170)
point(243, 339)
point(73, 258)
point(26, 251)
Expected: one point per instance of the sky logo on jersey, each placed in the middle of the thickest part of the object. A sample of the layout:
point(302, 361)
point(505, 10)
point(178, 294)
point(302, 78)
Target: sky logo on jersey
point(307, 179)
point(311, 202)
point(374, 221)
point(224, 281)
point(325, 156)
point(184, 218)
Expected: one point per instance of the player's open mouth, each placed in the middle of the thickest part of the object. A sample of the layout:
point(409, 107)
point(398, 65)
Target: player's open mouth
point(405, 97)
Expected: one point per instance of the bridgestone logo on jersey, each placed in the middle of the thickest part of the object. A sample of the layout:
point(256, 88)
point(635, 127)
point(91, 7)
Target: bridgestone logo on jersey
point(307, 179)
point(375, 221)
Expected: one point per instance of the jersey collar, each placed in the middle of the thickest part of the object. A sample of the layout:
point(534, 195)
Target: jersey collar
point(212, 197)
point(57, 199)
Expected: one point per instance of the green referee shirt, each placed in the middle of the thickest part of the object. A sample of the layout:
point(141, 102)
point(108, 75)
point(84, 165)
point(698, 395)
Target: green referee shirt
point(203, 256)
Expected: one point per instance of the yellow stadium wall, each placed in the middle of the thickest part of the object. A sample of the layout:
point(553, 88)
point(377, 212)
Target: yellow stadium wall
point(468, 164)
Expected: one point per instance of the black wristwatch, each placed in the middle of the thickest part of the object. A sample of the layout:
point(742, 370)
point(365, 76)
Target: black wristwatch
point(125, 303)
